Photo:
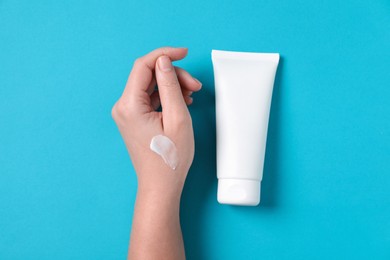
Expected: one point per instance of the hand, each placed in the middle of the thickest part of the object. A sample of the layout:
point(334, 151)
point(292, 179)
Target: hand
point(138, 121)
point(156, 232)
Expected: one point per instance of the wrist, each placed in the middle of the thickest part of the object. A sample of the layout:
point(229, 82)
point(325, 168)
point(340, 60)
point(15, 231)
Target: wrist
point(165, 196)
point(164, 184)
point(156, 205)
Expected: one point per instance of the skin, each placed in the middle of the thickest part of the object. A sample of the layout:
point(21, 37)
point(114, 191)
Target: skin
point(156, 231)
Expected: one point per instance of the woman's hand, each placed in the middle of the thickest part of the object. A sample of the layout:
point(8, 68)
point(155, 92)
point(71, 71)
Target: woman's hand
point(156, 232)
point(138, 121)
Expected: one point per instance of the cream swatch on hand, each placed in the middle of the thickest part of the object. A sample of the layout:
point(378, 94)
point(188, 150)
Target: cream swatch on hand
point(164, 147)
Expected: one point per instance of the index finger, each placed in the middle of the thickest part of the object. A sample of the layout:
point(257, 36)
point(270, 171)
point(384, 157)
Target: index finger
point(142, 73)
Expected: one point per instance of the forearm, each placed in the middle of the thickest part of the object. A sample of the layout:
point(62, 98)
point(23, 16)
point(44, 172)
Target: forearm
point(156, 232)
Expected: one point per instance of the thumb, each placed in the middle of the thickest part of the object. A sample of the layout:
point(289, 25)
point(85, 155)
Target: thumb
point(172, 102)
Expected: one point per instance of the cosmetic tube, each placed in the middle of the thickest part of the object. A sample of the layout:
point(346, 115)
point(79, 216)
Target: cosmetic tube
point(243, 92)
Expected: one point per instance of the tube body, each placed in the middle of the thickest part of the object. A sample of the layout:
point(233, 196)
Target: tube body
point(243, 92)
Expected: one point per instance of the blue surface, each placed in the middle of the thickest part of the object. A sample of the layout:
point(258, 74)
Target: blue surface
point(67, 185)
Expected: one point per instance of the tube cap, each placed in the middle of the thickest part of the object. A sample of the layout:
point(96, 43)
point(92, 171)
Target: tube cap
point(239, 192)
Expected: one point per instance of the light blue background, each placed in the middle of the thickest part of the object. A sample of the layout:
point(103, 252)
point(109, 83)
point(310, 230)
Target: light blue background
point(67, 186)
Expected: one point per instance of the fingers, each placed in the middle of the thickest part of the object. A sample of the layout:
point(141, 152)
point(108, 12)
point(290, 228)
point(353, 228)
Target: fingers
point(173, 105)
point(187, 81)
point(188, 100)
point(188, 85)
point(141, 76)
point(152, 86)
point(155, 100)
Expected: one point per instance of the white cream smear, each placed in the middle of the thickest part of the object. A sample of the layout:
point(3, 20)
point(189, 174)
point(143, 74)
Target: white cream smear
point(164, 147)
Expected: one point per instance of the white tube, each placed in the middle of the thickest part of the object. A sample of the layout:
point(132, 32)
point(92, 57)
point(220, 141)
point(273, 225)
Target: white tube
point(243, 92)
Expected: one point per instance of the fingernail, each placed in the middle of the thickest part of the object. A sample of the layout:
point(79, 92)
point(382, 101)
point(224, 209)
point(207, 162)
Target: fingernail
point(165, 63)
point(200, 83)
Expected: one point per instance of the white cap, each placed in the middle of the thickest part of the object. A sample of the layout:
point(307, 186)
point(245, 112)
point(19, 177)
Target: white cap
point(239, 192)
